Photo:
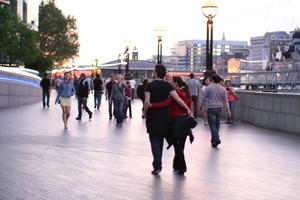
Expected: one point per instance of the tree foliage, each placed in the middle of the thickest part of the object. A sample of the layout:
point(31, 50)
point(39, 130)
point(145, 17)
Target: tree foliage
point(17, 41)
point(41, 64)
point(58, 37)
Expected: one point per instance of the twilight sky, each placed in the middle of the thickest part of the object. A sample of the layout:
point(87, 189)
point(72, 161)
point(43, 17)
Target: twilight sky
point(103, 25)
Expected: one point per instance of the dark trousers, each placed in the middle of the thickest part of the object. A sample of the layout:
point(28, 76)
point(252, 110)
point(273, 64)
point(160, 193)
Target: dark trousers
point(46, 94)
point(119, 108)
point(195, 105)
point(82, 102)
point(97, 98)
point(132, 90)
point(214, 117)
point(128, 106)
point(157, 143)
point(179, 160)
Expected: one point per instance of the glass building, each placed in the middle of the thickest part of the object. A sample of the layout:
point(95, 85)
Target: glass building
point(190, 55)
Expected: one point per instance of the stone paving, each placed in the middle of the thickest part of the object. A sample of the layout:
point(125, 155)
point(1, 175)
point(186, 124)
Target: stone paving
point(96, 160)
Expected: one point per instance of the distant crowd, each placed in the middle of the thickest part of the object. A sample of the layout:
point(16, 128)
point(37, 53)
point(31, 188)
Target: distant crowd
point(171, 105)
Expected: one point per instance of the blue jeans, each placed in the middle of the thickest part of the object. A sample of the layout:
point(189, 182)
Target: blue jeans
point(214, 117)
point(97, 98)
point(232, 108)
point(119, 109)
point(157, 143)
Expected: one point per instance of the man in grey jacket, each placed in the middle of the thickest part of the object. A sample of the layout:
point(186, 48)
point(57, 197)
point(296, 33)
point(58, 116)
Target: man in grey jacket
point(118, 97)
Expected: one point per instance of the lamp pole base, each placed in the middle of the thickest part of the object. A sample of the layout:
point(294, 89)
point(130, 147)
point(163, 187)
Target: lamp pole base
point(209, 73)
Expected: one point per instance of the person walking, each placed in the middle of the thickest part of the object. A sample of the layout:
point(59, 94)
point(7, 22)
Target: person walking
point(157, 118)
point(232, 98)
point(65, 92)
point(141, 93)
point(98, 91)
point(178, 126)
point(46, 87)
point(194, 88)
point(58, 81)
point(203, 105)
point(118, 97)
point(215, 95)
point(132, 86)
point(128, 98)
point(108, 89)
point(82, 96)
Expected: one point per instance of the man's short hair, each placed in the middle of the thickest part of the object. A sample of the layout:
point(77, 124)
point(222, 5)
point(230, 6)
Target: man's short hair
point(83, 75)
point(160, 71)
point(97, 75)
point(216, 78)
point(192, 75)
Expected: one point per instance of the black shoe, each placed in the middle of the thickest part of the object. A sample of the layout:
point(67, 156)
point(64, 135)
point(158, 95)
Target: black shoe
point(110, 118)
point(156, 171)
point(48, 106)
point(181, 171)
point(78, 118)
point(90, 115)
point(215, 144)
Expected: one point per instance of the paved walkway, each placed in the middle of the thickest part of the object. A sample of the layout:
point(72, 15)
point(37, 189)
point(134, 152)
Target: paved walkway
point(96, 160)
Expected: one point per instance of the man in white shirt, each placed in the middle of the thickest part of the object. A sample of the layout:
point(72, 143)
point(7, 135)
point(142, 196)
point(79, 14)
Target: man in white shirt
point(132, 85)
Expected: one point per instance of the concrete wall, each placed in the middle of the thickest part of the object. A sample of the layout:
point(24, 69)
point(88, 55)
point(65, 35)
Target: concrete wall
point(14, 94)
point(270, 110)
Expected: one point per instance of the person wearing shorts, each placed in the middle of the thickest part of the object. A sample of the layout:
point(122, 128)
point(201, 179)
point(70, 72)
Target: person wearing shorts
point(65, 92)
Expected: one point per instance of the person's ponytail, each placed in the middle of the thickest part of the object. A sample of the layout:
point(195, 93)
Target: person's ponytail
point(186, 89)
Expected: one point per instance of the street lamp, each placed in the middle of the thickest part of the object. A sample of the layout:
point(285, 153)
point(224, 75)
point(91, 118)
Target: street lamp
point(209, 10)
point(159, 32)
point(119, 63)
point(126, 53)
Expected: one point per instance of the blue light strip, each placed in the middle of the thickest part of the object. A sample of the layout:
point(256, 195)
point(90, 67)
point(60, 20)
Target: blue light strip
point(19, 79)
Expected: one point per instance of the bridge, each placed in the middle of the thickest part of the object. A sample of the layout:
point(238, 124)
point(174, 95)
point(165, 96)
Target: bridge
point(96, 160)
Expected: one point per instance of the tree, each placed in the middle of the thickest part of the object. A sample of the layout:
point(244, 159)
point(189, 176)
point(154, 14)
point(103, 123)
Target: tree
point(17, 41)
point(58, 37)
point(41, 64)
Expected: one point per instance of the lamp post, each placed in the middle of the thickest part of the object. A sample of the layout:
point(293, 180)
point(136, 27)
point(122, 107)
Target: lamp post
point(119, 63)
point(127, 75)
point(159, 31)
point(209, 10)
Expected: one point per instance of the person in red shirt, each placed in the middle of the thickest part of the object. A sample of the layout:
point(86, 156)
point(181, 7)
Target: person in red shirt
point(178, 129)
point(232, 98)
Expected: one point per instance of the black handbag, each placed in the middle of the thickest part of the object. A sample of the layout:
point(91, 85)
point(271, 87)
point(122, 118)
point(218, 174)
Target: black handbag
point(191, 121)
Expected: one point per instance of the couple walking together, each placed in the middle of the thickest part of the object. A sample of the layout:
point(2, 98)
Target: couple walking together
point(162, 122)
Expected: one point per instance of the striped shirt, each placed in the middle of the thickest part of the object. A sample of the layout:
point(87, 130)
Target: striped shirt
point(215, 95)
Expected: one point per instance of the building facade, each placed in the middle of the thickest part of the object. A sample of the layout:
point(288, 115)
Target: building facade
point(266, 50)
point(190, 55)
point(27, 10)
